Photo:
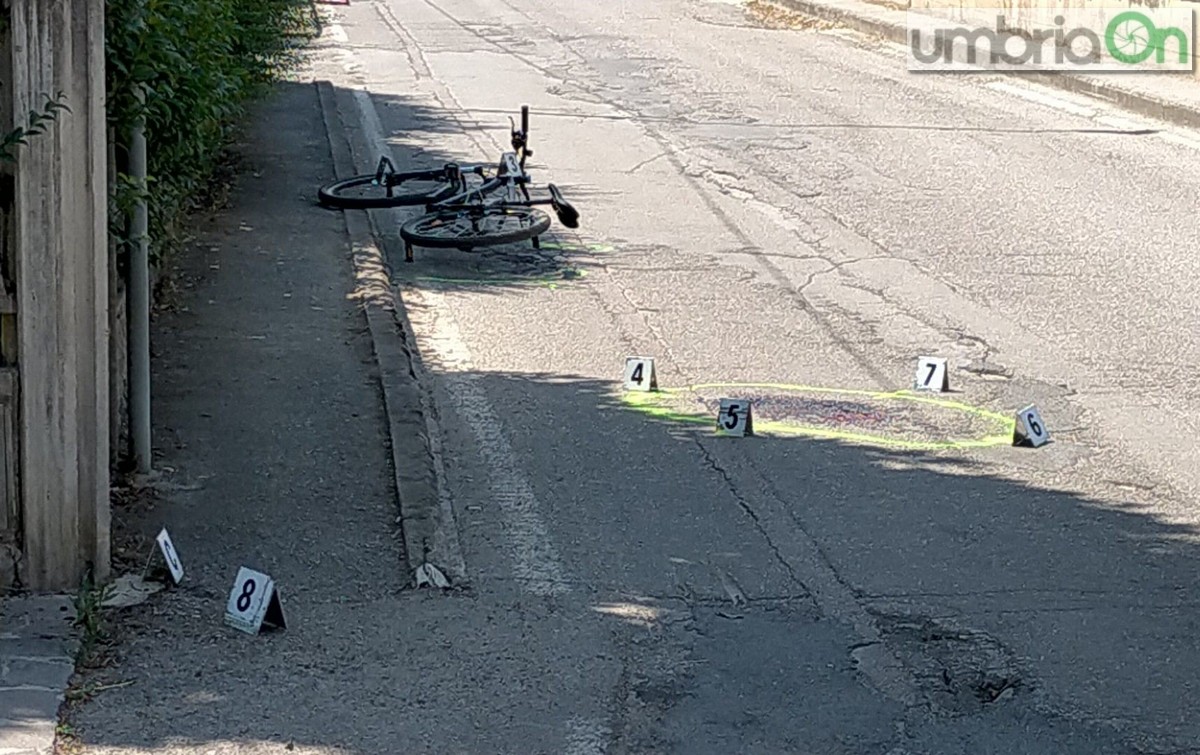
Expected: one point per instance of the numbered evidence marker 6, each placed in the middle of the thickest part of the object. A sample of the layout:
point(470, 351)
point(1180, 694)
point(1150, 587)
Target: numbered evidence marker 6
point(167, 548)
point(932, 375)
point(639, 374)
point(253, 603)
point(734, 417)
point(1030, 429)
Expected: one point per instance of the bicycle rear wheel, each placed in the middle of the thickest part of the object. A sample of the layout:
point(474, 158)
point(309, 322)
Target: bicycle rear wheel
point(364, 193)
point(482, 226)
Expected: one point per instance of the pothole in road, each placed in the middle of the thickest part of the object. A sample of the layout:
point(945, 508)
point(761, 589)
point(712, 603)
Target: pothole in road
point(959, 671)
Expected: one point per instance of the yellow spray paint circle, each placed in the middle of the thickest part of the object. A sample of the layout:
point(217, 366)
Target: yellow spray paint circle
point(547, 281)
point(568, 247)
point(777, 412)
point(552, 280)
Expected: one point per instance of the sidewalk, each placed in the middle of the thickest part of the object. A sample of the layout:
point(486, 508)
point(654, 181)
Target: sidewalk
point(274, 447)
point(37, 650)
point(1174, 98)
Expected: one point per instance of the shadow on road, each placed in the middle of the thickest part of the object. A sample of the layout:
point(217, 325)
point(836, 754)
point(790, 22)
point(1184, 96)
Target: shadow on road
point(1001, 597)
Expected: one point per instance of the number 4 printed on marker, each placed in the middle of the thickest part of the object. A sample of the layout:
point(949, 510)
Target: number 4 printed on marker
point(640, 375)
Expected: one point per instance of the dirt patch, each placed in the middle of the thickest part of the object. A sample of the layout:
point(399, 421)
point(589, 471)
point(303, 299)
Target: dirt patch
point(771, 16)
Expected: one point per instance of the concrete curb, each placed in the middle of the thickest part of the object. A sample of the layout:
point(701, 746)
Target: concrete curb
point(1142, 103)
point(430, 533)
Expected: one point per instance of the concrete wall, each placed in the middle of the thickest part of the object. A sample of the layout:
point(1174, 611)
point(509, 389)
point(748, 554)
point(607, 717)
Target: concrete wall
point(10, 503)
point(62, 320)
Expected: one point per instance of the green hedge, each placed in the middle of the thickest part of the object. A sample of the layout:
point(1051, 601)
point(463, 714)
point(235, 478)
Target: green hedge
point(199, 62)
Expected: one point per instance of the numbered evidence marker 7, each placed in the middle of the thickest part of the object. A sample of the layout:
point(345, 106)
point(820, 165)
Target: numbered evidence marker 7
point(734, 417)
point(932, 375)
point(639, 374)
point(167, 548)
point(1030, 429)
point(253, 603)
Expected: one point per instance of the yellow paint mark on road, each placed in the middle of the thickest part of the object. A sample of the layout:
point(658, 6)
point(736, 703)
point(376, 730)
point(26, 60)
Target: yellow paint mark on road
point(652, 404)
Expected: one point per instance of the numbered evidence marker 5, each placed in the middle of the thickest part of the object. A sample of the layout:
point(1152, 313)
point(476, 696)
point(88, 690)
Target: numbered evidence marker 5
point(932, 375)
point(639, 374)
point(253, 603)
point(1030, 429)
point(167, 548)
point(734, 417)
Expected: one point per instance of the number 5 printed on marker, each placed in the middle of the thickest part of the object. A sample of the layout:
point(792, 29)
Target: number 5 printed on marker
point(731, 418)
point(734, 417)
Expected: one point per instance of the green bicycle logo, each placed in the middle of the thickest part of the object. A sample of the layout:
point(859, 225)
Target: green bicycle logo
point(1131, 37)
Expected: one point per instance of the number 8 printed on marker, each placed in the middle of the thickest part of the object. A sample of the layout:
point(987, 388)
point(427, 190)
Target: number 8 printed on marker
point(248, 588)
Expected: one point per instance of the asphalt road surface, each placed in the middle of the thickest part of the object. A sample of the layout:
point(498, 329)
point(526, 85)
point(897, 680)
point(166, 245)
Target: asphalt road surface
point(791, 207)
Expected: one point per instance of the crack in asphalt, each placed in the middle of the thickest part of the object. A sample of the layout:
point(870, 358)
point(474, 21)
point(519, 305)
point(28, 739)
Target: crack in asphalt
point(645, 162)
point(412, 50)
point(745, 506)
point(672, 153)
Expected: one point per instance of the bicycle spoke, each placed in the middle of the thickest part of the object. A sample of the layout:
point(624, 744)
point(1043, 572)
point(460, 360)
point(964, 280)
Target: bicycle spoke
point(476, 226)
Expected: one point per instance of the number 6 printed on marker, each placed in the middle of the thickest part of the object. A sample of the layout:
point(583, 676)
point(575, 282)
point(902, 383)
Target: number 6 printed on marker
point(1034, 432)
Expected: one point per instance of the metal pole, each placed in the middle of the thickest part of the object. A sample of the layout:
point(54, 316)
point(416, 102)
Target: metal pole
point(139, 304)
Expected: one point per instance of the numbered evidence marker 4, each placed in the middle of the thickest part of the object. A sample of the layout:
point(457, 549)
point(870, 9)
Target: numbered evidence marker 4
point(932, 375)
point(167, 548)
point(1030, 429)
point(639, 374)
point(253, 603)
point(734, 417)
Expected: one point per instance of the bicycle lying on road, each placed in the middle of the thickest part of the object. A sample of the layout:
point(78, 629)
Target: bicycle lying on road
point(459, 213)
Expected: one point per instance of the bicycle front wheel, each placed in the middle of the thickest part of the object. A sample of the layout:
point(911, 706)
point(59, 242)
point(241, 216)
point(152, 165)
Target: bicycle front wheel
point(483, 226)
point(363, 193)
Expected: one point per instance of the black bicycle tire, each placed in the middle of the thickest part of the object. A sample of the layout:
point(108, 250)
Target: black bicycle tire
point(327, 195)
point(412, 236)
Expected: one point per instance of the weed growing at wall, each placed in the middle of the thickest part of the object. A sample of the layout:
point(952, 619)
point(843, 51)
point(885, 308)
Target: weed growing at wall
point(199, 63)
point(37, 122)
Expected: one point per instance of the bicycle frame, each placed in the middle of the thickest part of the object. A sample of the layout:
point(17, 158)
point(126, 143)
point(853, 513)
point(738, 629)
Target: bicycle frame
point(509, 186)
point(510, 175)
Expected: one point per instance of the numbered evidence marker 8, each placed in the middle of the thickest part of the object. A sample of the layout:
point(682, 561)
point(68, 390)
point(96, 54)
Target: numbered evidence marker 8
point(253, 603)
point(167, 548)
point(734, 418)
point(639, 374)
point(1030, 429)
point(932, 375)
